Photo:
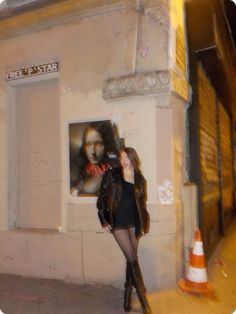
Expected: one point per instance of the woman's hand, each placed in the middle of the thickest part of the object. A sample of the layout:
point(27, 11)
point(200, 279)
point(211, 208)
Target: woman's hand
point(107, 228)
point(74, 191)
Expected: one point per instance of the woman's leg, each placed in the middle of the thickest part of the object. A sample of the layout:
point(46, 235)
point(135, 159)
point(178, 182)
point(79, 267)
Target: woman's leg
point(137, 280)
point(125, 240)
point(128, 275)
point(137, 277)
point(134, 239)
point(128, 243)
point(128, 288)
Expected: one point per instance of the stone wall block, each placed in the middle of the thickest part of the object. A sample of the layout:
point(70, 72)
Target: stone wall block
point(137, 84)
point(153, 34)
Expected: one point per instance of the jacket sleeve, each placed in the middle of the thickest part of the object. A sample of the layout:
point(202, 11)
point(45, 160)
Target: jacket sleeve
point(142, 198)
point(142, 192)
point(103, 213)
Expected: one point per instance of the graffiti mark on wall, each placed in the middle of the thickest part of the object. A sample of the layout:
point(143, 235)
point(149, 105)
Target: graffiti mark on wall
point(165, 192)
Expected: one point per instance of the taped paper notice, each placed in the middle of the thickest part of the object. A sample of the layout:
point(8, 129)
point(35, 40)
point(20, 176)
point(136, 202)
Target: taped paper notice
point(166, 194)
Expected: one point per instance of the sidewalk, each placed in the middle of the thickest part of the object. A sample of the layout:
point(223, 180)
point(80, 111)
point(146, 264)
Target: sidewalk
point(20, 295)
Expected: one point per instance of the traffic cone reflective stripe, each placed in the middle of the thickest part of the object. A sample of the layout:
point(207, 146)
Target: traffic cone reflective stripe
point(197, 275)
point(197, 260)
point(196, 281)
point(198, 248)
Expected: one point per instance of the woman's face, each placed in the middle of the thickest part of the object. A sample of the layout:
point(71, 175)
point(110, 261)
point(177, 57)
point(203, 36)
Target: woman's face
point(124, 160)
point(94, 147)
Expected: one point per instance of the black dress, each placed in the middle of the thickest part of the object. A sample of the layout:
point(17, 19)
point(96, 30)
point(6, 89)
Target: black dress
point(126, 214)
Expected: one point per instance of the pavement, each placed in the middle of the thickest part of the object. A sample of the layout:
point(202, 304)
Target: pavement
point(20, 295)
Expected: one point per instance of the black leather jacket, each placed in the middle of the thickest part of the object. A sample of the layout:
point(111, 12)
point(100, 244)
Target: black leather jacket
point(111, 193)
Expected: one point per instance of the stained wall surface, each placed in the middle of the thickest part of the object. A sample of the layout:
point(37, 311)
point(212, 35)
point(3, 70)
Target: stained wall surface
point(90, 49)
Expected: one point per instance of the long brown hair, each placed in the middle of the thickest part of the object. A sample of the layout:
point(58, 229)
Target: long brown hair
point(133, 157)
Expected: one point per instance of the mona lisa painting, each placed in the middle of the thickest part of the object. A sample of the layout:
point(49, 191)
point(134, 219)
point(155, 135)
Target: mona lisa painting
point(93, 150)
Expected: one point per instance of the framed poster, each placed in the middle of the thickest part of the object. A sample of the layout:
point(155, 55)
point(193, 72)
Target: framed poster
point(92, 151)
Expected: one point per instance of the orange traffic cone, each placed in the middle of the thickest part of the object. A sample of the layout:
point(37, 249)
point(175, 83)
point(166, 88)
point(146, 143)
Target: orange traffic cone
point(196, 281)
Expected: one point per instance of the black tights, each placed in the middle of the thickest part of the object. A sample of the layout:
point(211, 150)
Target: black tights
point(127, 241)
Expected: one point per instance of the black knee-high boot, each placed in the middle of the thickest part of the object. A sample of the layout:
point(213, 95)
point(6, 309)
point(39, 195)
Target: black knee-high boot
point(139, 286)
point(128, 288)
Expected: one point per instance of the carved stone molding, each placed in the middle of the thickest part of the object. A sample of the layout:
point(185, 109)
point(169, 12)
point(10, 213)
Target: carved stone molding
point(137, 84)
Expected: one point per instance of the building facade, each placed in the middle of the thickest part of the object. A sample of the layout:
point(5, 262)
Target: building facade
point(67, 65)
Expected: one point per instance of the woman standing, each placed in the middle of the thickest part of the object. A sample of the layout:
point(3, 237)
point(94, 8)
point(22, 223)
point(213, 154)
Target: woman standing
point(122, 211)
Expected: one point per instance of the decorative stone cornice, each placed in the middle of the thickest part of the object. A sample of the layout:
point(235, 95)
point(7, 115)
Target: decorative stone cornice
point(137, 84)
